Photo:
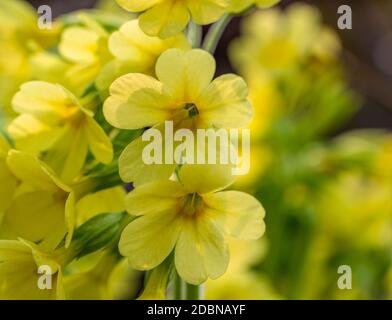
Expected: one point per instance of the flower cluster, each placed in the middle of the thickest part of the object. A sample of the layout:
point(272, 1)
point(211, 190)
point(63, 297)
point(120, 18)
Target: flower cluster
point(75, 100)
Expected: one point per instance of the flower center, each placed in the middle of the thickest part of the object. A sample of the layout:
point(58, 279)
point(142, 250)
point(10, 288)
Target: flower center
point(192, 204)
point(192, 110)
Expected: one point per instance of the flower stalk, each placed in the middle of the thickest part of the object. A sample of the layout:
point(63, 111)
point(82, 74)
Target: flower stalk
point(215, 33)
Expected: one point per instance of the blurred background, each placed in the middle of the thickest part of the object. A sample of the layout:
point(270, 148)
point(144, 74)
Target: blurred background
point(321, 149)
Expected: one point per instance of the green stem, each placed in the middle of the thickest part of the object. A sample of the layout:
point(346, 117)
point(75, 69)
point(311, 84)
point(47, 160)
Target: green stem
point(194, 292)
point(194, 34)
point(179, 287)
point(215, 33)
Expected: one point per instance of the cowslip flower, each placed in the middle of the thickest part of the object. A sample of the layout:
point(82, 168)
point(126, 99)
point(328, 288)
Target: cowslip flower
point(43, 208)
point(237, 6)
point(190, 217)
point(20, 263)
point(19, 34)
point(85, 48)
point(183, 93)
point(275, 41)
point(165, 18)
point(54, 121)
point(135, 51)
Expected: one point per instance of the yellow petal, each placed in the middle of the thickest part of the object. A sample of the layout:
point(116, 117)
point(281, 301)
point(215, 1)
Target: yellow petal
point(29, 169)
point(139, 239)
point(137, 5)
point(200, 252)
point(238, 6)
point(44, 100)
point(99, 143)
point(207, 11)
point(191, 79)
point(154, 197)
point(37, 216)
point(68, 156)
point(133, 169)
point(32, 135)
point(266, 3)
point(8, 187)
point(135, 101)
point(108, 200)
point(240, 214)
point(79, 44)
point(224, 104)
point(131, 44)
point(206, 178)
point(165, 19)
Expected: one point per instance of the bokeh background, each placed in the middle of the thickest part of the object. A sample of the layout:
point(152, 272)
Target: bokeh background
point(321, 149)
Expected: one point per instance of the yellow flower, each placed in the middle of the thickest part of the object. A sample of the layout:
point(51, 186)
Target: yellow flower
point(19, 36)
point(134, 51)
point(191, 218)
point(165, 18)
point(191, 99)
point(237, 6)
point(108, 200)
point(43, 208)
point(20, 263)
point(85, 48)
point(9, 182)
point(93, 284)
point(276, 41)
point(53, 120)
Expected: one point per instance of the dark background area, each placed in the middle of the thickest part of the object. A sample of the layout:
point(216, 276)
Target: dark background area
point(367, 51)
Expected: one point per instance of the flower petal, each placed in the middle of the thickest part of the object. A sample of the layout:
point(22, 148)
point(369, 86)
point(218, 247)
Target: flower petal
point(79, 44)
point(224, 104)
point(200, 252)
point(166, 19)
point(158, 196)
point(32, 135)
point(137, 5)
point(133, 169)
point(136, 101)
point(266, 3)
point(37, 216)
point(42, 99)
point(205, 178)
point(207, 11)
point(99, 143)
point(240, 214)
point(191, 79)
point(139, 239)
point(29, 169)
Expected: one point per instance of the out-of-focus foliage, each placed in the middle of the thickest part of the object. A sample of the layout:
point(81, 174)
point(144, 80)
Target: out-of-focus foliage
point(328, 196)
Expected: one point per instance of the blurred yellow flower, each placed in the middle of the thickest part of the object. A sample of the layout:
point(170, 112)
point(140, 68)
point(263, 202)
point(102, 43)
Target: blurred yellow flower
point(239, 282)
point(276, 41)
point(20, 272)
point(134, 51)
point(190, 218)
point(53, 120)
point(85, 48)
point(191, 99)
point(165, 18)
point(19, 38)
point(43, 208)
